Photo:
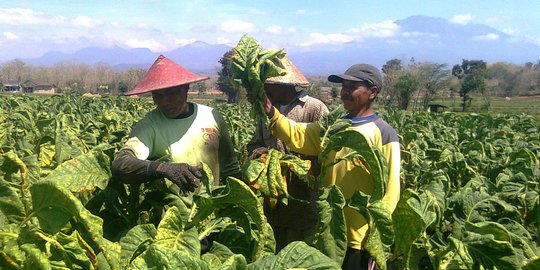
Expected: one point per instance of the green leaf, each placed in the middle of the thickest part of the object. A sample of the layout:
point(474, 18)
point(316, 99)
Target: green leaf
point(362, 150)
point(489, 244)
point(221, 251)
point(331, 237)
point(381, 230)
point(74, 252)
point(411, 219)
point(53, 206)
point(83, 174)
point(172, 234)
point(235, 262)
point(296, 255)
point(11, 206)
point(136, 241)
point(35, 259)
point(161, 258)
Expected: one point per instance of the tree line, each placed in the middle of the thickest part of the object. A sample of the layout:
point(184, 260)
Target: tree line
point(407, 84)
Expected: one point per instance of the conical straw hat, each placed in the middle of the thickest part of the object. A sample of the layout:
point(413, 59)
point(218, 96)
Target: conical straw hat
point(164, 73)
point(293, 76)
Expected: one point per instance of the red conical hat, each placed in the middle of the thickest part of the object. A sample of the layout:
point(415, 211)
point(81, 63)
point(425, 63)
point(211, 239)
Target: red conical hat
point(164, 73)
point(292, 77)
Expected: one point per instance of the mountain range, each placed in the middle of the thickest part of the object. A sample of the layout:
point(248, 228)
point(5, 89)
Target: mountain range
point(420, 37)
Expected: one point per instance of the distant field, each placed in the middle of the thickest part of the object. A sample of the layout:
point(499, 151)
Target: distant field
point(528, 105)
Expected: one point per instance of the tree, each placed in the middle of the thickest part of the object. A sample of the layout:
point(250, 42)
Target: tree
point(473, 74)
point(224, 82)
point(407, 85)
point(392, 70)
point(432, 78)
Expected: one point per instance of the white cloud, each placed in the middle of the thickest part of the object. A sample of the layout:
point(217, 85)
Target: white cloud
point(462, 19)
point(85, 21)
point(151, 44)
point(383, 29)
point(184, 41)
point(222, 40)
point(274, 29)
point(301, 12)
point(259, 12)
point(23, 16)
point(292, 29)
point(490, 36)
point(318, 38)
point(237, 26)
point(10, 36)
point(418, 34)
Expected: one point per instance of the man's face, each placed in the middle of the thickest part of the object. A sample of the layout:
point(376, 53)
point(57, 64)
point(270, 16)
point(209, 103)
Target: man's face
point(275, 93)
point(172, 101)
point(356, 96)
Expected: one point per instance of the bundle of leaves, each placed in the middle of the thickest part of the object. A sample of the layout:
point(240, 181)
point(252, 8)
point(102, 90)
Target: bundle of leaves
point(268, 174)
point(251, 66)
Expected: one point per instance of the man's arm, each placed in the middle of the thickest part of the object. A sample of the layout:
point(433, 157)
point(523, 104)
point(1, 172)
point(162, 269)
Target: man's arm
point(130, 169)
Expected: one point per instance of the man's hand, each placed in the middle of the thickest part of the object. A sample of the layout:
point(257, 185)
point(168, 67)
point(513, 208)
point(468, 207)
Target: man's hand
point(257, 152)
point(186, 177)
point(267, 104)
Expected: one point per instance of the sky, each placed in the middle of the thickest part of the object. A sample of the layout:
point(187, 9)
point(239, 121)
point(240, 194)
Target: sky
point(32, 28)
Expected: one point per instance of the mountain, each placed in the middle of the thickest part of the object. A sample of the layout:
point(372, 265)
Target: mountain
point(424, 39)
point(199, 57)
point(420, 37)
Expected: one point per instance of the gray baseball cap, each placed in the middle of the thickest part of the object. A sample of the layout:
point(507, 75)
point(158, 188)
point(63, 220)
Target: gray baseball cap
point(359, 73)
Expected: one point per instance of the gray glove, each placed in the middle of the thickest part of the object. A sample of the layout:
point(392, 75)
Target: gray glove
point(186, 177)
point(257, 152)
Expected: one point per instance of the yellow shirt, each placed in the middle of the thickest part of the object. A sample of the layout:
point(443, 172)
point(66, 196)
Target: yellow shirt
point(305, 139)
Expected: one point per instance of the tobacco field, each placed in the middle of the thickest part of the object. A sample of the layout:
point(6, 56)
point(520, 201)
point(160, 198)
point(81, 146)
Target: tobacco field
point(470, 195)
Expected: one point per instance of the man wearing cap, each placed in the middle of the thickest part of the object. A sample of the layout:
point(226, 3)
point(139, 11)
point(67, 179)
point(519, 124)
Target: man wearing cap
point(182, 133)
point(361, 84)
point(296, 220)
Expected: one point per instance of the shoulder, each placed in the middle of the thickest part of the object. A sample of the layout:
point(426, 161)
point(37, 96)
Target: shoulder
point(388, 133)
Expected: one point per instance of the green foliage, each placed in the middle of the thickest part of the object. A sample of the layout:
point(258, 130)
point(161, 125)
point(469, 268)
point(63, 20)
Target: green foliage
point(473, 74)
point(251, 66)
point(470, 196)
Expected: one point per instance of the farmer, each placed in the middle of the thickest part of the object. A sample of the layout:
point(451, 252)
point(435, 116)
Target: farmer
point(361, 84)
point(182, 133)
point(297, 220)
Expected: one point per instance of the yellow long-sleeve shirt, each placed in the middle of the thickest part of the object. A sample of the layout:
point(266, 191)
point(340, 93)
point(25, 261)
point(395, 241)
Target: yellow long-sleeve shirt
point(305, 139)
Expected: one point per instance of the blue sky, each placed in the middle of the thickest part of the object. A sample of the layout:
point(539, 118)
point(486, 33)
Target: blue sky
point(32, 28)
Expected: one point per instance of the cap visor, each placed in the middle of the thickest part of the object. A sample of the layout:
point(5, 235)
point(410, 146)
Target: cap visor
point(339, 78)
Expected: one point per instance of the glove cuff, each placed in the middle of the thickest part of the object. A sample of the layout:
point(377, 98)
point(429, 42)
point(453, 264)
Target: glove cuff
point(152, 169)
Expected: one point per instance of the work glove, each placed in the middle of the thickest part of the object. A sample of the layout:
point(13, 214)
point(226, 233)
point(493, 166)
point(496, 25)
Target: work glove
point(186, 177)
point(257, 152)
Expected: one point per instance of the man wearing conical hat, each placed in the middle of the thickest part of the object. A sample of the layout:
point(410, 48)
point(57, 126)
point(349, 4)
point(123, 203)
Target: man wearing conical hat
point(297, 220)
point(178, 133)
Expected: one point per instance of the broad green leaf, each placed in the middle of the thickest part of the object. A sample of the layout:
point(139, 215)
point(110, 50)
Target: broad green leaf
point(72, 253)
point(296, 255)
point(381, 232)
point(35, 258)
point(83, 174)
point(53, 206)
point(533, 264)
point(331, 237)
point(159, 257)
point(11, 206)
point(361, 149)
point(172, 234)
point(235, 262)
point(212, 260)
point(221, 251)
point(411, 219)
point(489, 244)
point(136, 241)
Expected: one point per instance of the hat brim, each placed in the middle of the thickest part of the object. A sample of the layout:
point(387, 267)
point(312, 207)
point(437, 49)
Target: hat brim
point(338, 78)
